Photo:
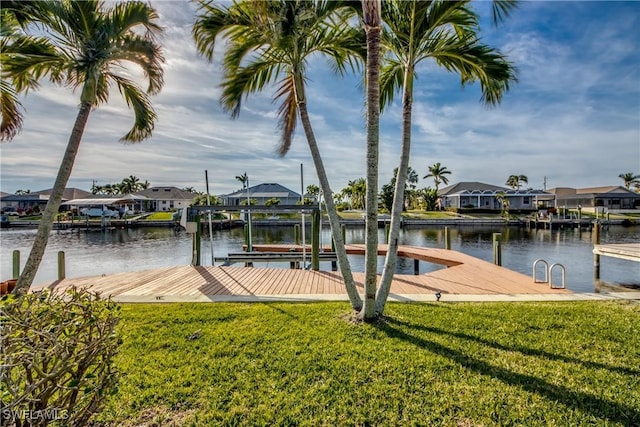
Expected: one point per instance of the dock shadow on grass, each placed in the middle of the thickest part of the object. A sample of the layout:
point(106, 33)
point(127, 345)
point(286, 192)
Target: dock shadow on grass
point(584, 402)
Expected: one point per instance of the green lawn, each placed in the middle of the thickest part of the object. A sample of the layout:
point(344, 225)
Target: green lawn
point(464, 364)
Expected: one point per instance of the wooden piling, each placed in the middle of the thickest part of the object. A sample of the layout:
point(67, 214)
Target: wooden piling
point(61, 265)
point(315, 240)
point(16, 264)
point(497, 248)
point(195, 257)
point(447, 238)
point(596, 257)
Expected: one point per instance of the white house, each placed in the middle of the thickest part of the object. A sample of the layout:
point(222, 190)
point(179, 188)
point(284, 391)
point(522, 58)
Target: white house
point(477, 195)
point(261, 193)
point(165, 198)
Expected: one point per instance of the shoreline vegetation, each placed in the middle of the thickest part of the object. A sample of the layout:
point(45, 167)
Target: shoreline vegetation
point(412, 217)
point(449, 364)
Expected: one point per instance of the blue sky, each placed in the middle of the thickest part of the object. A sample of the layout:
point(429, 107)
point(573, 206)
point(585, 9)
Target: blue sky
point(573, 117)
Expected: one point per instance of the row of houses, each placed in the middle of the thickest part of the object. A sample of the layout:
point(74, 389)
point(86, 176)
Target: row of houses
point(460, 196)
point(477, 195)
point(155, 199)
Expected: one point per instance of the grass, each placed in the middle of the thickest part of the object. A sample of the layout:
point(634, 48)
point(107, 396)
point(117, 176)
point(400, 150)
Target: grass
point(465, 364)
point(160, 216)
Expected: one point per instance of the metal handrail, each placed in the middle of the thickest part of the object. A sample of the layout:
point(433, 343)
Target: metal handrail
point(562, 269)
point(546, 271)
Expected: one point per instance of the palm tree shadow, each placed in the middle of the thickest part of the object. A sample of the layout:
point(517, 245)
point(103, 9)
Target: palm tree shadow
point(585, 402)
point(520, 349)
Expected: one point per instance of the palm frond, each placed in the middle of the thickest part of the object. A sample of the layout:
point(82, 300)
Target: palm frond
point(287, 113)
point(474, 61)
point(501, 9)
point(124, 17)
point(246, 80)
point(139, 102)
point(391, 77)
point(210, 22)
point(11, 110)
point(144, 53)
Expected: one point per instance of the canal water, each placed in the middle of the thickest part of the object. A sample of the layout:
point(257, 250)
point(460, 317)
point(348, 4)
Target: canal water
point(104, 252)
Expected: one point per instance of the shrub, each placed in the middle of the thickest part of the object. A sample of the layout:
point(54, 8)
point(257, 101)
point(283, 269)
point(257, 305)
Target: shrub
point(342, 206)
point(58, 351)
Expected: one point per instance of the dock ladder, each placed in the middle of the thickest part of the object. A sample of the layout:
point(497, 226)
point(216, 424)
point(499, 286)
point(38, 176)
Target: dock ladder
point(548, 273)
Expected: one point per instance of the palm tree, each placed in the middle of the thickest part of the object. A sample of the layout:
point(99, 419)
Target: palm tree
point(438, 172)
point(88, 43)
point(629, 179)
point(446, 31)
point(515, 181)
point(372, 20)
point(244, 179)
point(272, 42)
point(130, 185)
point(314, 191)
point(356, 191)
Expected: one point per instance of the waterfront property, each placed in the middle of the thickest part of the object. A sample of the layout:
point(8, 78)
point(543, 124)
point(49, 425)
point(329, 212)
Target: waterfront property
point(261, 193)
point(614, 198)
point(162, 199)
point(37, 200)
point(486, 197)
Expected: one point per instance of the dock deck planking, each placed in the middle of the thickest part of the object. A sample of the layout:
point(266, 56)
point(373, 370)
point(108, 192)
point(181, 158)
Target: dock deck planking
point(465, 275)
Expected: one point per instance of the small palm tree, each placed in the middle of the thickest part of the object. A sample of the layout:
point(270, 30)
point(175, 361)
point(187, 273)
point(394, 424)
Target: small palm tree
point(515, 181)
point(271, 42)
point(630, 179)
point(131, 184)
point(86, 45)
point(438, 173)
point(244, 179)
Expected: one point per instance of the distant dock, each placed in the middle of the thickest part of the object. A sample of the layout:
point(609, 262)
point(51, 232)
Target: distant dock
point(628, 251)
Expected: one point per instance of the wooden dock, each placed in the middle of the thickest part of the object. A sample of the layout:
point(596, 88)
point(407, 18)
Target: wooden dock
point(628, 251)
point(461, 275)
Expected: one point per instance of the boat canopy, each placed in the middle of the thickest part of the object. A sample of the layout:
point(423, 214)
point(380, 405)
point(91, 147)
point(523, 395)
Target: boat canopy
point(105, 201)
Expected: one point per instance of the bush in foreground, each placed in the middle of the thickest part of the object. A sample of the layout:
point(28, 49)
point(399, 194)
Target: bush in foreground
point(58, 354)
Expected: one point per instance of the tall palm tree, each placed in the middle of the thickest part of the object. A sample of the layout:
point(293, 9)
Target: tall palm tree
point(372, 20)
point(447, 32)
point(438, 172)
point(272, 41)
point(515, 181)
point(88, 44)
point(629, 179)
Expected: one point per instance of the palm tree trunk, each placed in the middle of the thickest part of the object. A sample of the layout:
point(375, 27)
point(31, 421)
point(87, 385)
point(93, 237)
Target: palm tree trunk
point(398, 198)
point(46, 223)
point(334, 221)
point(373, 29)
